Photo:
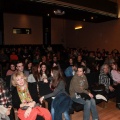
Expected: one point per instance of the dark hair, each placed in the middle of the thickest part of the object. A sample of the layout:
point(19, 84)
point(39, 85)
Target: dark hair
point(2, 84)
point(83, 67)
point(75, 64)
point(118, 68)
point(46, 72)
point(57, 76)
point(35, 72)
point(19, 62)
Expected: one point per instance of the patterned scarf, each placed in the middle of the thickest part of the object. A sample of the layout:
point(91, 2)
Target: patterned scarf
point(24, 95)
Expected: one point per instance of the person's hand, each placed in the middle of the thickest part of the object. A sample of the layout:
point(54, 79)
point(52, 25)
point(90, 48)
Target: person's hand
point(8, 111)
point(91, 95)
point(45, 80)
point(27, 112)
point(111, 88)
point(41, 99)
point(32, 104)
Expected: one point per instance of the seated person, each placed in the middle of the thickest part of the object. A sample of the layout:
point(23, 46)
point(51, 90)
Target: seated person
point(11, 69)
point(13, 56)
point(87, 70)
point(24, 98)
point(105, 79)
point(79, 86)
point(41, 85)
point(5, 101)
point(70, 71)
point(115, 72)
point(59, 95)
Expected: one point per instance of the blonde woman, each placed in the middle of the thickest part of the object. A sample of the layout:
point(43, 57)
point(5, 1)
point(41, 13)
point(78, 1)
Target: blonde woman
point(24, 98)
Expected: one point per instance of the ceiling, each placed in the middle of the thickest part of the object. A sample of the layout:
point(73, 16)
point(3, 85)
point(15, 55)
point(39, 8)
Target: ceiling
point(43, 9)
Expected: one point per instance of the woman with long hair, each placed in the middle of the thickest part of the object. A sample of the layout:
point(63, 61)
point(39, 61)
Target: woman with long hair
point(42, 86)
point(115, 72)
point(25, 99)
point(59, 96)
point(44, 73)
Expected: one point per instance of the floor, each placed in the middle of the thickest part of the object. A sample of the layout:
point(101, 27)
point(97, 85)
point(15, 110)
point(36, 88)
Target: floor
point(110, 112)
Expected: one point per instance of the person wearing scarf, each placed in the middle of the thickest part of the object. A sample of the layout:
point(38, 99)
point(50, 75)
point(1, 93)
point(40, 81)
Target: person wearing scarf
point(25, 98)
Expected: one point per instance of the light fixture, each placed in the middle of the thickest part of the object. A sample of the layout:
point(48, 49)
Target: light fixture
point(92, 17)
point(59, 12)
point(84, 20)
point(78, 27)
point(48, 14)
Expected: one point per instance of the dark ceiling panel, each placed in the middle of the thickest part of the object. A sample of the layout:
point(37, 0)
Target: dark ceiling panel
point(104, 5)
point(42, 9)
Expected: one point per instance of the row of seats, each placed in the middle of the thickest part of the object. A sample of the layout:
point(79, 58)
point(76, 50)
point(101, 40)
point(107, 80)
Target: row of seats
point(93, 79)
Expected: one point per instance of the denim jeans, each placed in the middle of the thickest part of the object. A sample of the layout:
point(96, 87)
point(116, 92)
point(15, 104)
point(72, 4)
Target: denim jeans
point(89, 106)
point(66, 113)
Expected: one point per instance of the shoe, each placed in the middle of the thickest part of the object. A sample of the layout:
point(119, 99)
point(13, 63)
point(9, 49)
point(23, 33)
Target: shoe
point(118, 106)
point(98, 96)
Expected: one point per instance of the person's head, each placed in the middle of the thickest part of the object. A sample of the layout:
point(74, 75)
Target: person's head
point(44, 58)
point(74, 66)
point(36, 72)
point(114, 66)
point(29, 64)
point(19, 79)
point(20, 66)
point(91, 54)
point(55, 59)
point(70, 61)
point(99, 55)
point(13, 53)
point(79, 58)
point(105, 69)
point(12, 66)
point(80, 70)
point(2, 84)
point(56, 75)
point(43, 67)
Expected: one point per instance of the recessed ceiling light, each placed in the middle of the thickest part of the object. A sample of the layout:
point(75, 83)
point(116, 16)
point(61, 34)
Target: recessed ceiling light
point(83, 19)
point(92, 17)
point(48, 14)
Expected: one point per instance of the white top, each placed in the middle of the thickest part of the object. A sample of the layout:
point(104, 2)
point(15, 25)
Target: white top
point(31, 79)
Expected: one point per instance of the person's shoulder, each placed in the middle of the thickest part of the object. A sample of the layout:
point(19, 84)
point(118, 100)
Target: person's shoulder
point(113, 71)
point(75, 76)
point(30, 75)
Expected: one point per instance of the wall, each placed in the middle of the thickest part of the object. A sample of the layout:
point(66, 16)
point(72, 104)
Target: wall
point(58, 31)
point(93, 35)
point(101, 35)
point(22, 21)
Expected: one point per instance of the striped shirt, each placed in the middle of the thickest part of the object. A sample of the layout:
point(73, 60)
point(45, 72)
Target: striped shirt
point(104, 79)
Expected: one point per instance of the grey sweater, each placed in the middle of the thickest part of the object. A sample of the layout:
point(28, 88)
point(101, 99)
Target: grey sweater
point(59, 89)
